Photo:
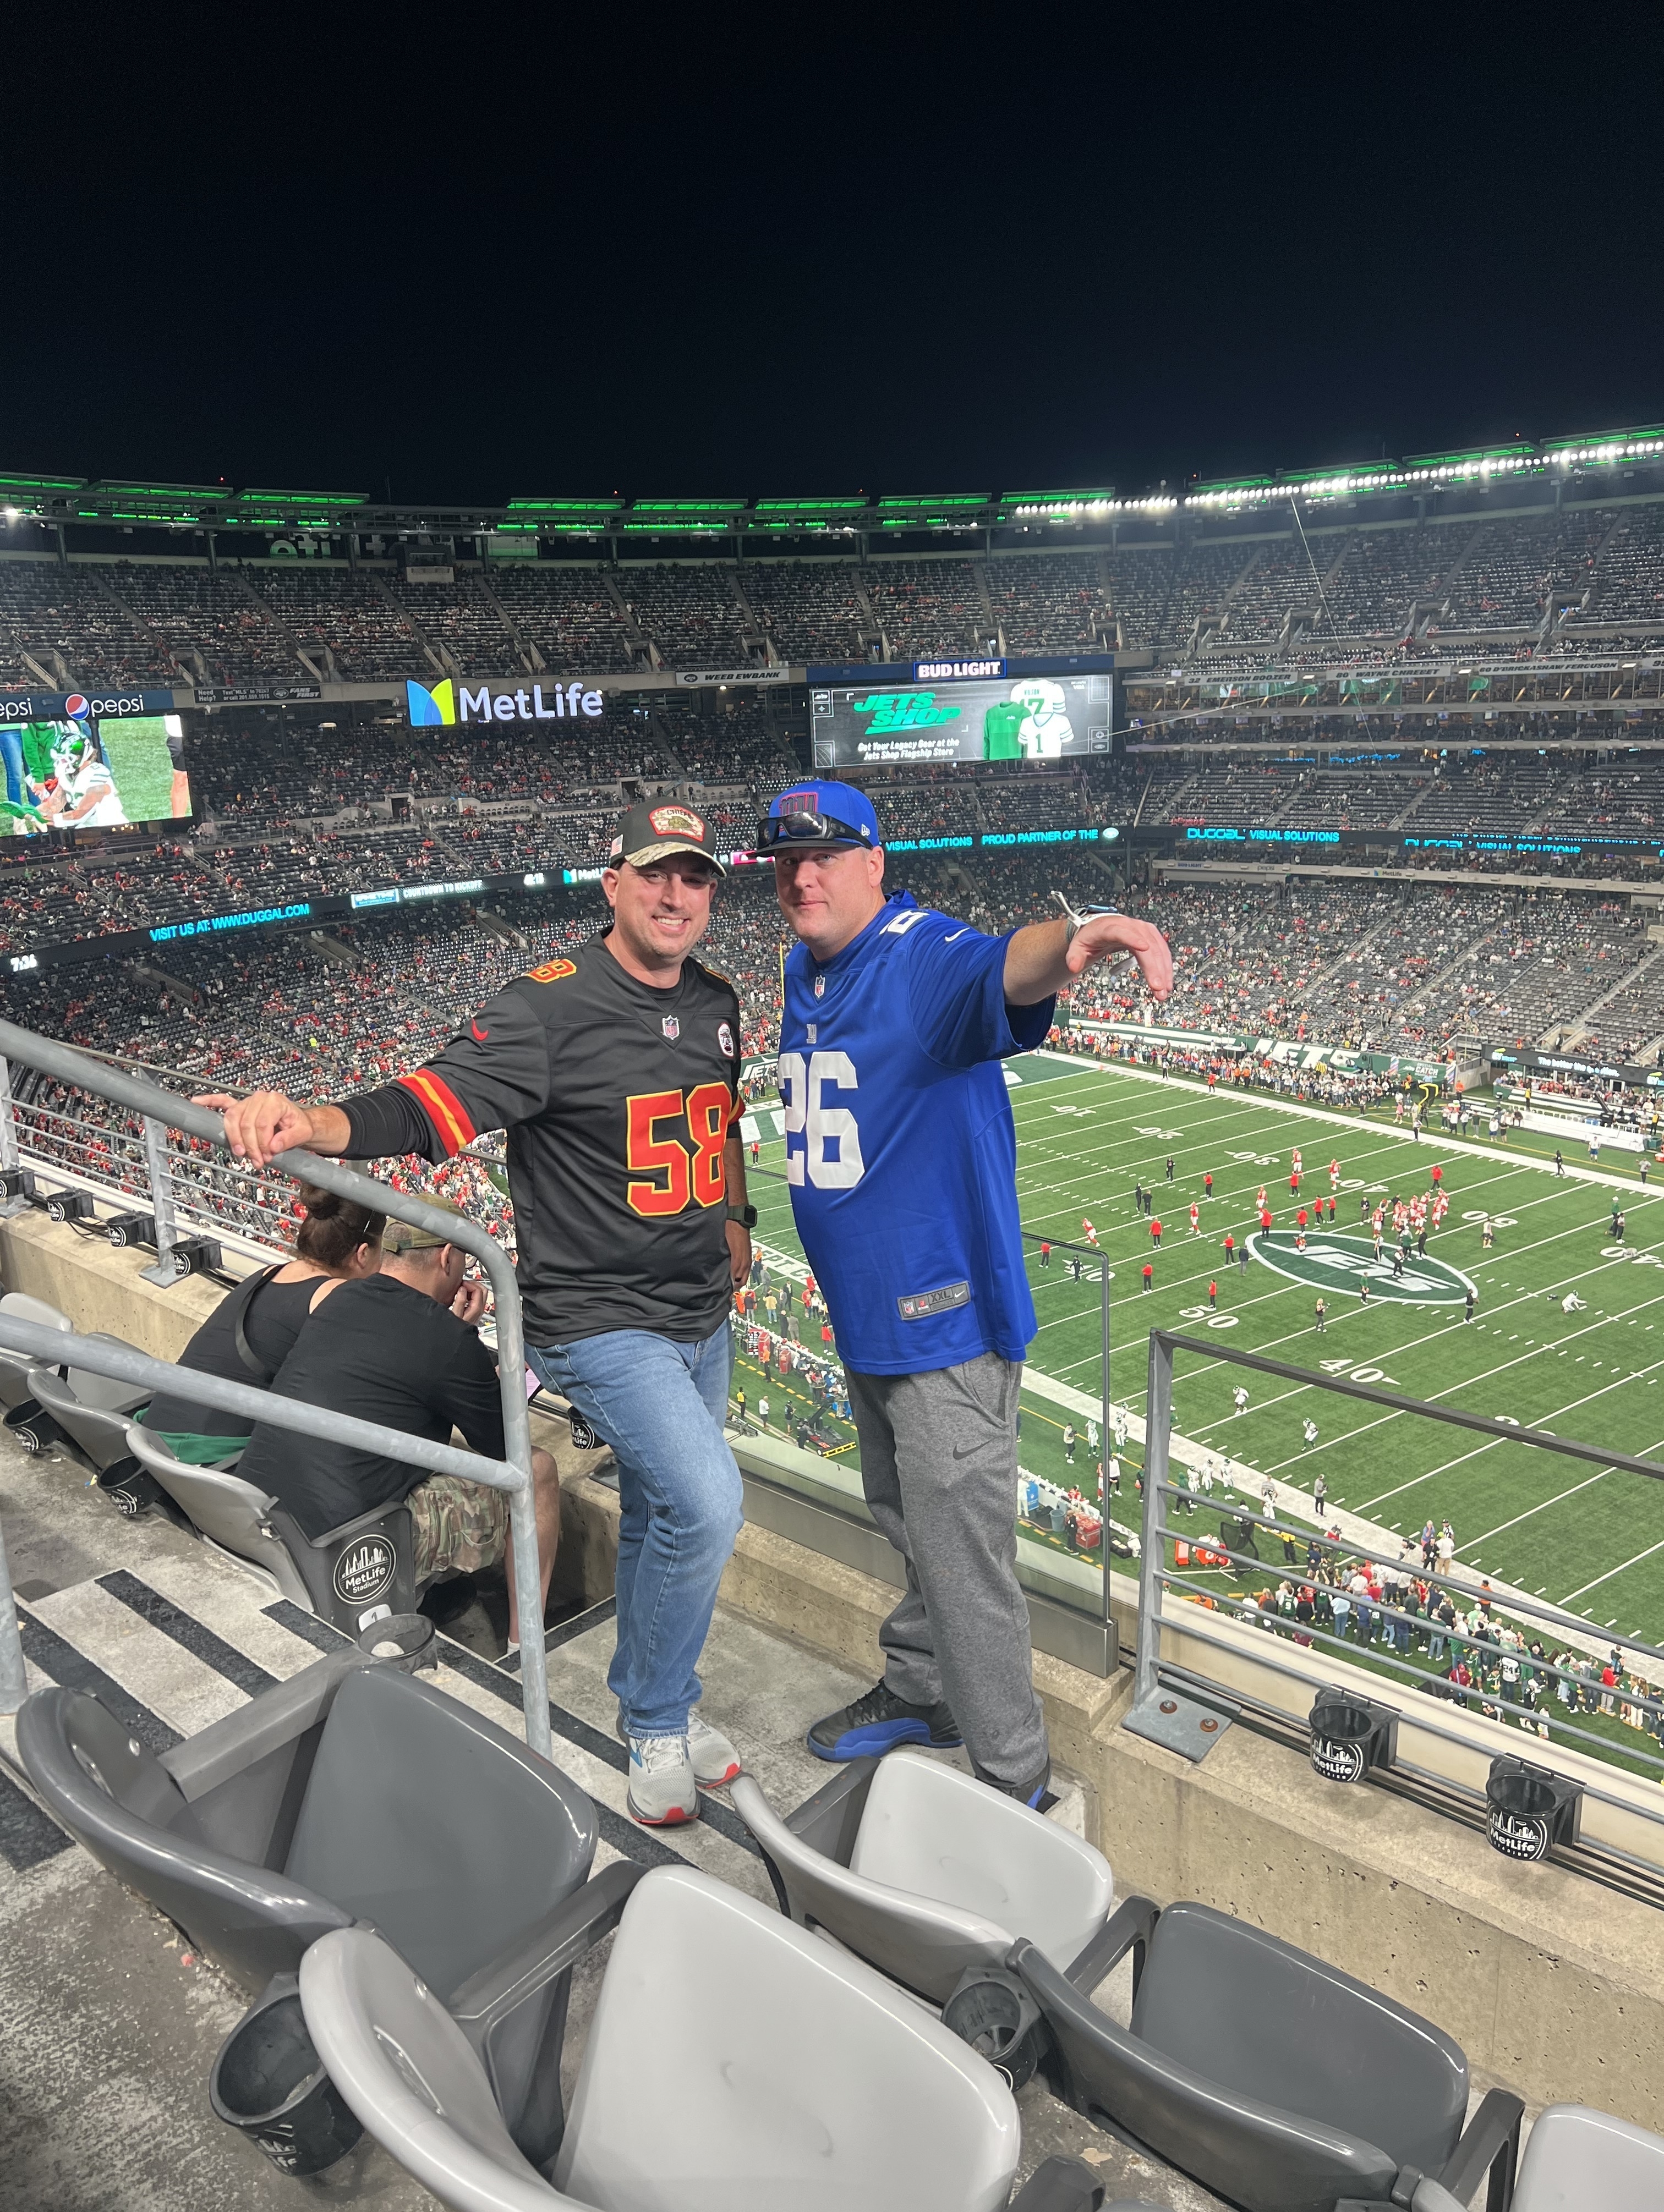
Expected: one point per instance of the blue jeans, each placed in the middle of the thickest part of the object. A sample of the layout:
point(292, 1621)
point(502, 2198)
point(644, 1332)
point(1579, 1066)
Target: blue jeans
point(662, 1406)
point(11, 753)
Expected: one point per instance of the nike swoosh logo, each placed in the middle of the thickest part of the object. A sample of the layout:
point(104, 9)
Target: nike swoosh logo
point(966, 1452)
point(954, 938)
point(479, 1035)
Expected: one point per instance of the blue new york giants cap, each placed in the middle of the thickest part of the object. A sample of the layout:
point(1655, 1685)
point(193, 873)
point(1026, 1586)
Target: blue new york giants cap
point(818, 813)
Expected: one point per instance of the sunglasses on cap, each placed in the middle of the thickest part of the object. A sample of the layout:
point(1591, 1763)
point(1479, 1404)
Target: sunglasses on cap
point(808, 829)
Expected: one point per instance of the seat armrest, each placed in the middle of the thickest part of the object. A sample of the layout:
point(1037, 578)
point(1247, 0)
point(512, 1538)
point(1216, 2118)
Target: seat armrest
point(830, 1820)
point(1062, 2184)
point(548, 1948)
point(1489, 2145)
point(1129, 1928)
point(229, 1747)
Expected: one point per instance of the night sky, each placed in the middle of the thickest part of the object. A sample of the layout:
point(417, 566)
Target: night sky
point(761, 253)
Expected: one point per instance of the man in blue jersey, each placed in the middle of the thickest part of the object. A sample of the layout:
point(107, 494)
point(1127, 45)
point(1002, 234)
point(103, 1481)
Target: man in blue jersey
point(901, 1158)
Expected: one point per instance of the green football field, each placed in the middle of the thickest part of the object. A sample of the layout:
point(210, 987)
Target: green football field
point(1585, 1537)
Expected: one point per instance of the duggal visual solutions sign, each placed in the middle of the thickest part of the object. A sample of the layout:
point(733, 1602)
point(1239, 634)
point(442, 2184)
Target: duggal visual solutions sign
point(440, 706)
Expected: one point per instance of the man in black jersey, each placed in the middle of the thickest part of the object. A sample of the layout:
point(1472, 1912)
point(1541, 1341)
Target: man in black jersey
point(615, 1071)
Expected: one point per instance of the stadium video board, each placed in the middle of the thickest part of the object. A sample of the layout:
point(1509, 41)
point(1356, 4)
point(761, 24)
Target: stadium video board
point(984, 716)
point(87, 773)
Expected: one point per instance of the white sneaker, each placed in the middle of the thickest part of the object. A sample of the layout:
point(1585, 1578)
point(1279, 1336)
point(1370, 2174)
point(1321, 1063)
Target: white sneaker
point(715, 1759)
point(662, 1791)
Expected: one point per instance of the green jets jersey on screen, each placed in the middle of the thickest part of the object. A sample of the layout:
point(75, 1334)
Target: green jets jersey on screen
point(1000, 728)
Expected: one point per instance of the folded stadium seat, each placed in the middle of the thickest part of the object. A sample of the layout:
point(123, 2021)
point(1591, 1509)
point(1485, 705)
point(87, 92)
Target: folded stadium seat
point(1277, 2081)
point(229, 1513)
point(92, 1414)
point(925, 1872)
point(349, 1576)
point(351, 1792)
point(733, 2060)
point(33, 1428)
point(1582, 2160)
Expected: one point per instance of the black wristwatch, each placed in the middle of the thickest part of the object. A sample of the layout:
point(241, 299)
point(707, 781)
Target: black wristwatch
point(745, 1215)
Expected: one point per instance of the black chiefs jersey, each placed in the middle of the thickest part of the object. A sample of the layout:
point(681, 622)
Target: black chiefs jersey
point(617, 1099)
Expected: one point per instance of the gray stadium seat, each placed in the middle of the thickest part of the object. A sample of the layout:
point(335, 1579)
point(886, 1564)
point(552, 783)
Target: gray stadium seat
point(352, 1791)
point(924, 1872)
point(91, 1410)
point(15, 1367)
point(227, 1513)
point(1582, 2160)
point(733, 2060)
point(363, 1569)
point(1274, 2079)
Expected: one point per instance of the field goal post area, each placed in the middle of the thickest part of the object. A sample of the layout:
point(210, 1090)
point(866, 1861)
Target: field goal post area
point(1210, 1657)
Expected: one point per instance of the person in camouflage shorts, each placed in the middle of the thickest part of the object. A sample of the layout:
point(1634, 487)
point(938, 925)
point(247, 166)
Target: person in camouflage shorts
point(458, 1527)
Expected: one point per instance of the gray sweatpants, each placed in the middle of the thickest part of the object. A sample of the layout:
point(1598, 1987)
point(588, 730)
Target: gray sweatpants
point(939, 1466)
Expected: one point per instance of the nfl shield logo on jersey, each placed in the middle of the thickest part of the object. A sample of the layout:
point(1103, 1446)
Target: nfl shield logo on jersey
point(820, 986)
point(671, 1027)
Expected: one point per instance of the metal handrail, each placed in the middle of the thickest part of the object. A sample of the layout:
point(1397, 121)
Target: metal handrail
point(166, 1108)
point(1153, 1671)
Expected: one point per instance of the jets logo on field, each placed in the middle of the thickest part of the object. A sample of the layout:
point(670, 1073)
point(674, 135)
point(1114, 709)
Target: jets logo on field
point(1340, 1264)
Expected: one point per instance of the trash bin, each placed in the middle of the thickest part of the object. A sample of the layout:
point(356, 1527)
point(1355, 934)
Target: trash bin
point(403, 1640)
point(270, 2083)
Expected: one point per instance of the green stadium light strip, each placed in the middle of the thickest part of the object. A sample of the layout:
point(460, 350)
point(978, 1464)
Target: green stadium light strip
point(297, 499)
point(808, 507)
point(932, 500)
point(171, 494)
point(1060, 498)
point(40, 484)
point(694, 507)
point(564, 506)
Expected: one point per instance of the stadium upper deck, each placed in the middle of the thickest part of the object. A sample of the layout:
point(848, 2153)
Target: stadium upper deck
point(1554, 551)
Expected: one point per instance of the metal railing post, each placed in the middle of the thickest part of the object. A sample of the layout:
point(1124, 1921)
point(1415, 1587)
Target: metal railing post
point(13, 1200)
point(1152, 1543)
point(14, 1683)
point(7, 1121)
point(161, 1202)
point(82, 1072)
point(1104, 1433)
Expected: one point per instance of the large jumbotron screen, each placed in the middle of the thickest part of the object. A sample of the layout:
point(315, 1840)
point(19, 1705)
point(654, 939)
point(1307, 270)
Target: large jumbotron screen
point(1020, 717)
point(92, 774)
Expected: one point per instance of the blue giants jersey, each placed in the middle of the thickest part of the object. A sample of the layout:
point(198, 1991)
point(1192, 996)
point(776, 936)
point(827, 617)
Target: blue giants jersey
point(900, 1151)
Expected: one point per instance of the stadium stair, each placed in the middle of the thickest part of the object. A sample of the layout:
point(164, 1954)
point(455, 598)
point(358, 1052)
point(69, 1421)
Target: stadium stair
point(1570, 1035)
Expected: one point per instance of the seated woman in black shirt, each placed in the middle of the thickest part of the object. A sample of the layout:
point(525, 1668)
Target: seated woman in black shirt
point(252, 1330)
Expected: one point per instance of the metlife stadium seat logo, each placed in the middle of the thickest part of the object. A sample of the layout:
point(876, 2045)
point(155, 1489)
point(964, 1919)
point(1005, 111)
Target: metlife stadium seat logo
point(442, 705)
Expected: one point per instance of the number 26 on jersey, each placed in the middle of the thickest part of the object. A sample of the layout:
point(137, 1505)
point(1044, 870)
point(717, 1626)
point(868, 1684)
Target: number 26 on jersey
point(823, 1142)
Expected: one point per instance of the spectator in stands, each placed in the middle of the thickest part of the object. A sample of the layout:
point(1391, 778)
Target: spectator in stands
point(399, 1346)
point(252, 1330)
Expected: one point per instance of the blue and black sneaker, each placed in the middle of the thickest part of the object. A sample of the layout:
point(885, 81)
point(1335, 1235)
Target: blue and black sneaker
point(1036, 1793)
point(879, 1723)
